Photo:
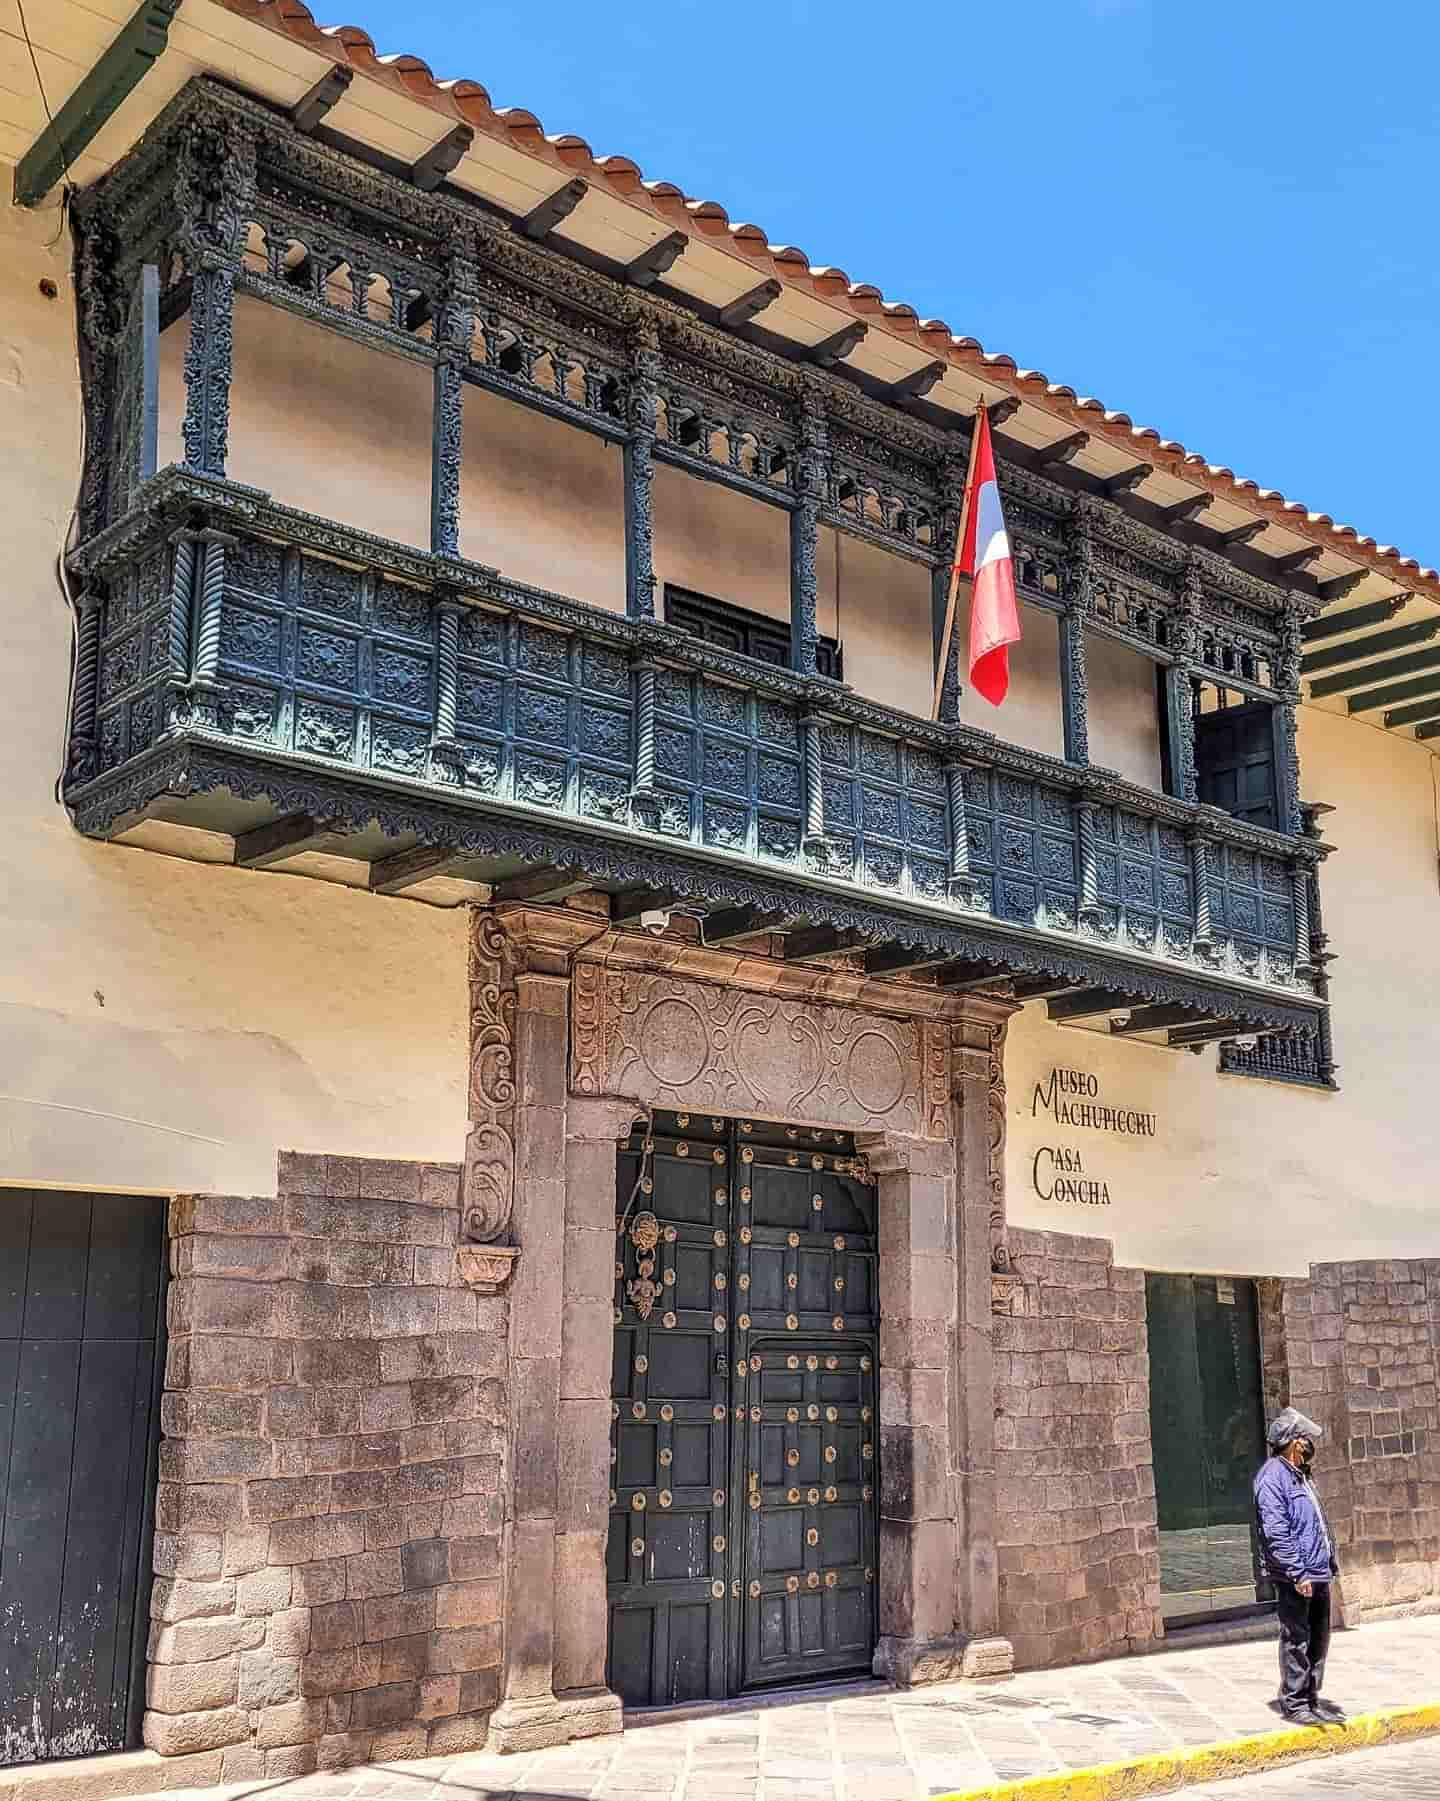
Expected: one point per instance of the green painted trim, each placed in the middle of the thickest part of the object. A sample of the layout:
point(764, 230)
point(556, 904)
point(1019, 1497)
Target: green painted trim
point(118, 72)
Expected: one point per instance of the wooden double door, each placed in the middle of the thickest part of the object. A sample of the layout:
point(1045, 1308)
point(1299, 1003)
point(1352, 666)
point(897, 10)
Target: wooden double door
point(81, 1354)
point(744, 1438)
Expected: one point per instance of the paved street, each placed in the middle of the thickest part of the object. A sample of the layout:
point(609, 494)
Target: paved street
point(874, 1744)
point(1398, 1772)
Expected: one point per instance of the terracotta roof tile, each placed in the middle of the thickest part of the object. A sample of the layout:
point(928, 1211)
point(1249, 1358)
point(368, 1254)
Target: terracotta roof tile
point(469, 102)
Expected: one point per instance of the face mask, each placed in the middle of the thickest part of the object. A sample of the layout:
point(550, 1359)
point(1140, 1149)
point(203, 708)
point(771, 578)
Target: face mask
point(1307, 1455)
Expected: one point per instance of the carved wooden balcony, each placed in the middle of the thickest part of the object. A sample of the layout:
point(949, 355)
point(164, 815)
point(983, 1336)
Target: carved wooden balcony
point(252, 670)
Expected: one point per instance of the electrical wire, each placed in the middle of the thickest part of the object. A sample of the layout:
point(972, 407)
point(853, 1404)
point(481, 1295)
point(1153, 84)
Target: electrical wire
point(66, 190)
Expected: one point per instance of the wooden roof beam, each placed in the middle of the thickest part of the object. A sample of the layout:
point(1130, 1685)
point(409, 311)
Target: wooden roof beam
point(840, 344)
point(312, 107)
point(823, 941)
point(901, 959)
point(1189, 508)
point(1352, 619)
point(1431, 729)
point(1377, 644)
point(745, 307)
point(541, 220)
point(1341, 585)
point(1087, 1003)
point(1151, 1019)
point(1128, 480)
point(1372, 674)
point(627, 906)
point(393, 875)
point(1006, 407)
point(917, 384)
point(1041, 987)
point(282, 838)
point(118, 71)
point(1419, 712)
point(1244, 534)
point(658, 260)
point(1063, 450)
point(428, 171)
point(964, 973)
point(727, 924)
point(1191, 1038)
point(544, 884)
point(1370, 700)
point(1297, 561)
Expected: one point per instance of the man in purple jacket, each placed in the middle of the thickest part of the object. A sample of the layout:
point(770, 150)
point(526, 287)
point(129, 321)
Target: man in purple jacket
point(1300, 1561)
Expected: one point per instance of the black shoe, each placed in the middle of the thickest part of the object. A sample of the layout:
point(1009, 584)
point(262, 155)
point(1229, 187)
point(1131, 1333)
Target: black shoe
point(1329, 1712)
point(1304, 1717)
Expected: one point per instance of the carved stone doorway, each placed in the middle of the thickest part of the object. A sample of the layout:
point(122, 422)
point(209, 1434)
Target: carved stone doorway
point(743, 1542)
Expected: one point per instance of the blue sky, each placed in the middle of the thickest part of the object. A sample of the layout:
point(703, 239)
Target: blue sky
point(1221, 220)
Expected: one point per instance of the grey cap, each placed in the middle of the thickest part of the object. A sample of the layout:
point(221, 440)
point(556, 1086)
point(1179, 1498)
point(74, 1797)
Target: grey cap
point(1286, 1427)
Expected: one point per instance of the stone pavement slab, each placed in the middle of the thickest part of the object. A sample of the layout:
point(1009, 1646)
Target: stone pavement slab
point(880, 1744)
point(1394, 1773)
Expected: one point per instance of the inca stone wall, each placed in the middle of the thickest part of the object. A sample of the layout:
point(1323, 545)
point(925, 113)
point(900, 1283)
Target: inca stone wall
point(1076, 1532)
point(1358, 1352)
point(330, 1507)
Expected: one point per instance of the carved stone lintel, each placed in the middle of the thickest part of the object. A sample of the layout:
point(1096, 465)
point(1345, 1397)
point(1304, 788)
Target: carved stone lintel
point(486, 1267)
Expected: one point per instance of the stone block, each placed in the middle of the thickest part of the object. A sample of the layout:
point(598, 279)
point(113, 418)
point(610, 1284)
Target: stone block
point(244, 1214)
point(389, 1180)
point(390, 1704)
point(405, 1312)
point(583, 1492)
point(472, 1648)
point(263, 1591)
point(440, 1185)
point(267, 1680)
point(290, 1723)
point(341, 1671)
point(369, 1451)
point(212, 1414)
point(337, 1411)
point(466, 1604)
point(441, 1397)
point(404, 1659)
point(471, 1558)
point(434, 1265)
point(316, 1584)
point(336, 1625)
point(457, 1309)
point(354, 1360)
point(343, 1750)
point(179, 1598)
point(265, 1259)
point(361, 1491)
point(288, 1634)
point(241, 1763)
point(192, 1687)
point(581, 1619)
point(179, 1734)
point(247, 1548)
point(387, 1407)
point(290, 1762)
point(287, 1497)
point(476, 1437)
point(451, 1738)
point(588, 1332)
point(198, 1555)
point(400, 1615)
point(439, 1697)
point(472, 1516)
point(425, 1563)
point(301, 1172)
point(216, 1360)
point(198, 1641)
point(479, 1688)
point(373, 1573)
point(420, 1482)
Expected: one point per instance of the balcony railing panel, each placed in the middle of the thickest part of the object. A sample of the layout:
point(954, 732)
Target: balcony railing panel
point(227, 619)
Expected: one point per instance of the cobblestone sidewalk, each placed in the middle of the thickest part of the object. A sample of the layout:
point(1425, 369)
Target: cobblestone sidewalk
point(878, 1744)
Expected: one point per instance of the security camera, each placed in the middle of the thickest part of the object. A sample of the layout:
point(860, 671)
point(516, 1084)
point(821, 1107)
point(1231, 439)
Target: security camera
point(1120, 1019)
point(1246, 1042)
point(656, 921)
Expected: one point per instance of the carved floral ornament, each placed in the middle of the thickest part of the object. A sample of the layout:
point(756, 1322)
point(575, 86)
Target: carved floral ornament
point(488, 1189)
point(673, 1042)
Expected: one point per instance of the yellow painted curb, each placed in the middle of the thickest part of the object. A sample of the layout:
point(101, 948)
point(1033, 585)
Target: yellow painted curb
point(1162, 1772)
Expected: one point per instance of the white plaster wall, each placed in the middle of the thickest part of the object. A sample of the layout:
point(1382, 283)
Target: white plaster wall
point(1030, 714)
point(1123, 715)
point(167, 1025)
point(1256, 1178)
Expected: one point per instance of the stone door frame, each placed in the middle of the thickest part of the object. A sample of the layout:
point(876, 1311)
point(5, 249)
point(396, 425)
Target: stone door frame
point(600, 1024)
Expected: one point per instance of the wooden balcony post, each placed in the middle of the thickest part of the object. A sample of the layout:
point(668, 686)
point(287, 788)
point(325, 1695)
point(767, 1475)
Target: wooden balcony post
point(454, 327)
point(215, 184)
point(811, 481)
point(1287, 757)
point(1089, 912)
point(1074, 680)
point(952, 472)
point(1300, 900)
point(639, 472)
point(81, 763)
point(1200, 883)
point(643, 785)
point(1180, 689)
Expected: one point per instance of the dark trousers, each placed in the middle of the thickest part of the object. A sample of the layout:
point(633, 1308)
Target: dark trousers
point(1304, 1641)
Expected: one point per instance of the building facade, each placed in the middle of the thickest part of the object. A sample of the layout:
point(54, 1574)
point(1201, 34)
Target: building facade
point(628, 1155)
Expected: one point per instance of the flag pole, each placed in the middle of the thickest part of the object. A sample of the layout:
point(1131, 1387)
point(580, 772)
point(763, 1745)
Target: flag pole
point(967, 500)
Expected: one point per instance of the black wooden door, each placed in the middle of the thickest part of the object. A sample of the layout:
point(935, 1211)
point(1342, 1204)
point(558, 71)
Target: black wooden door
point(1207, 1424)
point(80, 1294)
point(742, 1545)
point(1235, 761)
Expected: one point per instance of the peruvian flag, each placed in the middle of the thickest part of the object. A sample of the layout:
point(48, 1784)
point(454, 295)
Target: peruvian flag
point(985, 556)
